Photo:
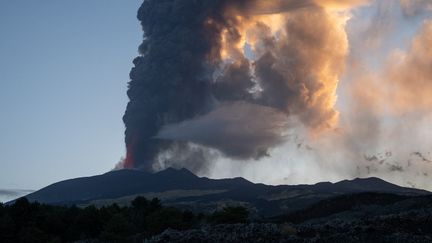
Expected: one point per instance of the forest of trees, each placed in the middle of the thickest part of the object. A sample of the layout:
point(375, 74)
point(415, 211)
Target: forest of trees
point(24, 221)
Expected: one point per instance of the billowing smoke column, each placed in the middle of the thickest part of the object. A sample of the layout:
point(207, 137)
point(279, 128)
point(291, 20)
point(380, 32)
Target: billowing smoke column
point(232, 75)
point(248, 88)
point(169, 82)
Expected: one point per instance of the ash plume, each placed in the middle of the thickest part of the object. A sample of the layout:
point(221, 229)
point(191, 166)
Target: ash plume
point(240, 130)
point(386, 115)
point(276, 90)
point(412, 8)
point(170, 81)
point(193, 60)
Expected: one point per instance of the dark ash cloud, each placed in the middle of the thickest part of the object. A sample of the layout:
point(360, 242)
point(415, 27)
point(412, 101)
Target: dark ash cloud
point(193, 83)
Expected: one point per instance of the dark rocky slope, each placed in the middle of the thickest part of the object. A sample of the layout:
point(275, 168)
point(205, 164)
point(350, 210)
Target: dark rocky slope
point(183, 189)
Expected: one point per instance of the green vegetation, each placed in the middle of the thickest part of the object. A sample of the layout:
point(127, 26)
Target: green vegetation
point(34, 222)
point(230, 215)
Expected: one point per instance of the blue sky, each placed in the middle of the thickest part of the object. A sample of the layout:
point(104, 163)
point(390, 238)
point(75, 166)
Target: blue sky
point(64, 68)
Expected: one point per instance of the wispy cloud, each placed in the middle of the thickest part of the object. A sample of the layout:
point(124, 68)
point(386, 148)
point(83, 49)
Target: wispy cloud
point(10, 194)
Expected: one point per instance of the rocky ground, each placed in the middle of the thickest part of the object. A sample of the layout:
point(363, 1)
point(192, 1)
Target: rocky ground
point(349, 218)
point(414, 226)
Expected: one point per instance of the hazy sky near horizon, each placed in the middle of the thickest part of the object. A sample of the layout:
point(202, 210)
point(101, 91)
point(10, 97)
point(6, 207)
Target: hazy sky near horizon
point(64, 68)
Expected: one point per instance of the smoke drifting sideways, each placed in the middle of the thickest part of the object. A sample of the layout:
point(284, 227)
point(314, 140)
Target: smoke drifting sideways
point(231, 76)
point(385, 118)
point(412, 8)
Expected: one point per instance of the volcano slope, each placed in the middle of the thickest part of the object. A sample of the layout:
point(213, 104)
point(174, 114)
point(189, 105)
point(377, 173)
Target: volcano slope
point(183, 189)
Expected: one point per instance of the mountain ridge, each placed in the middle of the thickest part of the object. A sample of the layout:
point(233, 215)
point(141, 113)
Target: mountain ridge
point(185, 189)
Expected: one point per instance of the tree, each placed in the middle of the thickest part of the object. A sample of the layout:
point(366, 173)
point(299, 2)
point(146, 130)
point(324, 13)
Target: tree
point(230, 215)
point(88, 222)
point(163, 219)
point(155, 204)
point(140, 203)
point(117, 229)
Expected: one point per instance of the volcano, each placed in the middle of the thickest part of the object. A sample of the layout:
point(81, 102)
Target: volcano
point(182, 188)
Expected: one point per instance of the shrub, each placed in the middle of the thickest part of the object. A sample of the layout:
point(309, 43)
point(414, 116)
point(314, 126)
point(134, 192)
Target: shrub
point(230, 215)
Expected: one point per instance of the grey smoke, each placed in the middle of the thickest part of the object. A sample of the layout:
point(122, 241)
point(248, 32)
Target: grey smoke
point(175, 97)
point(411, 8)
point(237, 129)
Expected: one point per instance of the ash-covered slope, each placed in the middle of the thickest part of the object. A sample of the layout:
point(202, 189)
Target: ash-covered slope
point(184, 189)
point(122, 183)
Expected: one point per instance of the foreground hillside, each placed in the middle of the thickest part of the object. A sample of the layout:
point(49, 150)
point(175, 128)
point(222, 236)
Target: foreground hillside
point(183, 189)
point(116, 207)
point(365, 217)
point(361, 217)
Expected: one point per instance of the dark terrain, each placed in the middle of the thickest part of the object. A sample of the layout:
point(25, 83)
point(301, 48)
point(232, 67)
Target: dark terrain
point(116, 207)
point(360, 217)
point(183, 189)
